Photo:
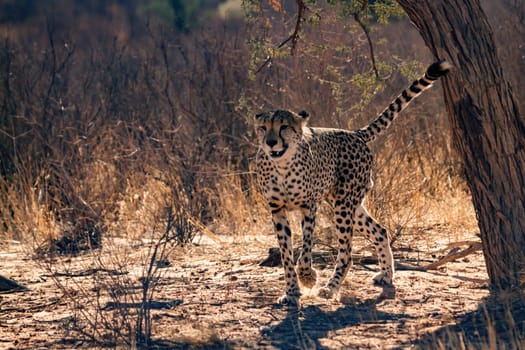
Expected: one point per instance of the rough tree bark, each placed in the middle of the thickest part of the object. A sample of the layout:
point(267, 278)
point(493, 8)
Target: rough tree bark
point(488, 129)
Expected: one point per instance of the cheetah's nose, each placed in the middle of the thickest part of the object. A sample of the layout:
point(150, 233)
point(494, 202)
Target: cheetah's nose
point(271, 142)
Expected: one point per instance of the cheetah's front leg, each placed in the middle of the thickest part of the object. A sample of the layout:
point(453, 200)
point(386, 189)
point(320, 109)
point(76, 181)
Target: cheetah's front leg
point(307, 275)
point(284, 236)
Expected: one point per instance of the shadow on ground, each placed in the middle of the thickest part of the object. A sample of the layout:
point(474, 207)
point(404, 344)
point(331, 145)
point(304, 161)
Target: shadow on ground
point(495, 324)
point(174, 345)
point(303, 329)
point(157, 344)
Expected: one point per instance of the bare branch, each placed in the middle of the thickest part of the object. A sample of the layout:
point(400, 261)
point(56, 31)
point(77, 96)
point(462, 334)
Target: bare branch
point(266, 62)
point(359, 20)
point(474, 247)
point(301, 7)
point(293, 38)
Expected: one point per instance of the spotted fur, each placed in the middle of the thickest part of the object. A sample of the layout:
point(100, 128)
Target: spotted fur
point(299, 166)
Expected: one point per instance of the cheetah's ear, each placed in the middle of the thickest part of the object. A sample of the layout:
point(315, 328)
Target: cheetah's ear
point(261, 115)
point(303, 114)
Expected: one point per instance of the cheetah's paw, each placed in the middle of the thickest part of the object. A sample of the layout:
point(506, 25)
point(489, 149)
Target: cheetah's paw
point(382, 279)
point(308, 279)
point(326, 293)
point(290, 300)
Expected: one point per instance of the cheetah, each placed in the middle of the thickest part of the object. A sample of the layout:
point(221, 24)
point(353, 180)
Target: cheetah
point(299, 166)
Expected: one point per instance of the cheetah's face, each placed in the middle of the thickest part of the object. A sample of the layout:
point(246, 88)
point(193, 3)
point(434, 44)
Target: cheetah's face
point(279, 132)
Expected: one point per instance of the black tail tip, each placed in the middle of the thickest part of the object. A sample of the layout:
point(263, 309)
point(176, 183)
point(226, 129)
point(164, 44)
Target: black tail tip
point(438, 69)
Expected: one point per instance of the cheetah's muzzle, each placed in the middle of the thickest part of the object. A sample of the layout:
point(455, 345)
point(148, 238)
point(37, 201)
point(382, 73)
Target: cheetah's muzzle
point(278, 154)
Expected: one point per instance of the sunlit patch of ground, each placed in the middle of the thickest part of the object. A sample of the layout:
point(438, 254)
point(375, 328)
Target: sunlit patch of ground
point(219, 296)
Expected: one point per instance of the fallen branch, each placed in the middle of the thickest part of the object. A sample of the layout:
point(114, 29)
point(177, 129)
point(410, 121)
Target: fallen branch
point(473, 247)
point(87, 272)
point(274, 258)
point(324, 257)
point(152, 304)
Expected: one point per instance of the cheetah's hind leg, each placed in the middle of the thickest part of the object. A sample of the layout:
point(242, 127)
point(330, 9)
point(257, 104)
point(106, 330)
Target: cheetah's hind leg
point(377, 234)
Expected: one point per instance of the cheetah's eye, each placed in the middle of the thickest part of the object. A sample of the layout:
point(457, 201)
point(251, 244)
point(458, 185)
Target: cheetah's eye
point(262, 128)
point(284, 127)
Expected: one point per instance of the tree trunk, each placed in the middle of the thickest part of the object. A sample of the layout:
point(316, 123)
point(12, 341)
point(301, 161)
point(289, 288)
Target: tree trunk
point(488, 129)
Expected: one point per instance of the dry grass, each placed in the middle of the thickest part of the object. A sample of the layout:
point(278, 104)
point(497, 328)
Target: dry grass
point(105, 139)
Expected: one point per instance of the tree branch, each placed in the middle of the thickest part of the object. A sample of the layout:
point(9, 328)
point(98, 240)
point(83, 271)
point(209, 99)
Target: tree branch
point(358, 19)
point(294, 37)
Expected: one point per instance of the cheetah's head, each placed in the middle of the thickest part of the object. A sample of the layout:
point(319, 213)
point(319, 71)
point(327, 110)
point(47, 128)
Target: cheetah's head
point(279, 132)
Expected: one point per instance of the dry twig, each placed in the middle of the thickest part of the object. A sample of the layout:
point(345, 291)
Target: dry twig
point(359, 20)
point(274, 258)
point(473, 247)
point(293, 38)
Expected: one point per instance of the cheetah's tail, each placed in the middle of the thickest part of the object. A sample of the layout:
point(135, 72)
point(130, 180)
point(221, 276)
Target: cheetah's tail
point(383, 121)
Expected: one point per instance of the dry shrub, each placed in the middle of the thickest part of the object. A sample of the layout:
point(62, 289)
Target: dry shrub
point(126, 140)
point(111, 303)
point(95, 138)
point(142, 198)
point(241, 210)
point(95, 114)
point(103, 131)
point(23, 214)
point(411, 172)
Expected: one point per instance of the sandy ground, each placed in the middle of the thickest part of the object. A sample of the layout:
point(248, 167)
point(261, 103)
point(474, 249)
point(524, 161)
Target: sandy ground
point(215, 295)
